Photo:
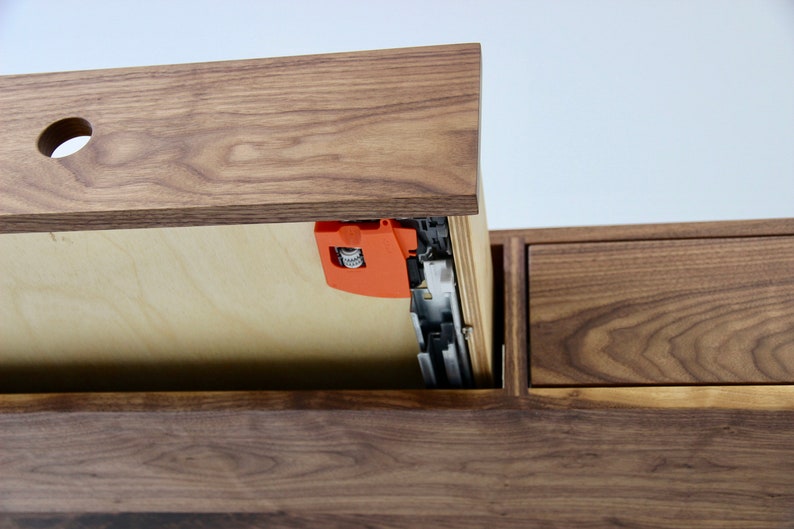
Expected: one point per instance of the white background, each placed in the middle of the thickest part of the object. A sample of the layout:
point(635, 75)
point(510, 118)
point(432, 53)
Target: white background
point(605, 112)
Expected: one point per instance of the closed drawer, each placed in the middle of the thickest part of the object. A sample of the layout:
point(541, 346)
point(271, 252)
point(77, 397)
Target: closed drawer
point(699, 311)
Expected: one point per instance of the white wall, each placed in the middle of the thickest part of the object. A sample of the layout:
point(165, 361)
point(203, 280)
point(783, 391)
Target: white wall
point(593, 112)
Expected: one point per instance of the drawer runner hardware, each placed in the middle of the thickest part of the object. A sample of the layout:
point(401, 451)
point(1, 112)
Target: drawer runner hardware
point(405, 258)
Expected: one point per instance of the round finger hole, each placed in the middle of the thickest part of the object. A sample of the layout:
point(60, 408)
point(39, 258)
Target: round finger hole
point(65, 137)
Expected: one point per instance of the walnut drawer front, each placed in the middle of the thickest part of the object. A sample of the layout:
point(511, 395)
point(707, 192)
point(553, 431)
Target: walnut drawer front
point(696, 311)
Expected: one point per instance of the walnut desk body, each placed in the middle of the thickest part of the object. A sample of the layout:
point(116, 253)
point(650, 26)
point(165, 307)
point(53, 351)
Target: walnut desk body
point(646, 375)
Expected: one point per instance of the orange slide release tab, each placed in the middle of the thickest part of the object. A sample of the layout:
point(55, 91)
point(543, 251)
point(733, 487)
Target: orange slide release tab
point(366, 258)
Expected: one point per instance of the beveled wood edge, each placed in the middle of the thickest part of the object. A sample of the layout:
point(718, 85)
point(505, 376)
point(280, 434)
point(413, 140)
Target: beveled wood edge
point(464, 204)
point(663, 231)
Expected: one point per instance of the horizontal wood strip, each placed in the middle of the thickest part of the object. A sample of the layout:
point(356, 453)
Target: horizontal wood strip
point(740, 397)
point(635, 468)
point(635, 232)
point(287, 520)
point(662, 312)
point(276, 520)
point(385, 133)
point(238, 401)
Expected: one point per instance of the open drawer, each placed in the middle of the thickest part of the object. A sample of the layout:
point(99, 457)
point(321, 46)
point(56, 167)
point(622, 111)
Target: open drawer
point(295, 223)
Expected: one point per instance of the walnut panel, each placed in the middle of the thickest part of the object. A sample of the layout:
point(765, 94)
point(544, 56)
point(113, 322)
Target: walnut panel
point(662, 312)
point(389, 133)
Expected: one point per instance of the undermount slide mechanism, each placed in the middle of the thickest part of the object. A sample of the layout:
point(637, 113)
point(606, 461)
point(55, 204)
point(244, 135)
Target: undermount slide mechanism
point(400, 259)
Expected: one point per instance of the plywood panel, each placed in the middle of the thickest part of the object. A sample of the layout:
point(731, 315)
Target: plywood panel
point(662, 312)
point(223, 307)
point(353, 135)
point(472, 252)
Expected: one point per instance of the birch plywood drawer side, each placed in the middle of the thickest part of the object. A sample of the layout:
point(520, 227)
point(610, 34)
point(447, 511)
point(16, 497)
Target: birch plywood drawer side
point(662, 312)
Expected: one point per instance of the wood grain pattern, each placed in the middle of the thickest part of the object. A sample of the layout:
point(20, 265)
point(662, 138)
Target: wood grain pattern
point(474, 268)
point(666, 312)
point(656, 232)
point(210, 307)
point(516, 351)
point(146, 521)
point(284, 520)
point(613, 468)
point(389, 133)
point(238, 401)
point(739, 397)
point(245, 521)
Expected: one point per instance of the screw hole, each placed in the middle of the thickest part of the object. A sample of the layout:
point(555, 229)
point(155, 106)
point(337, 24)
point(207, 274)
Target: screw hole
point(65, 137)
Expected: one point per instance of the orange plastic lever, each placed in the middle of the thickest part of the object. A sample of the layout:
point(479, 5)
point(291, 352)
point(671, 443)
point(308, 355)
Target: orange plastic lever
point(366, 258)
